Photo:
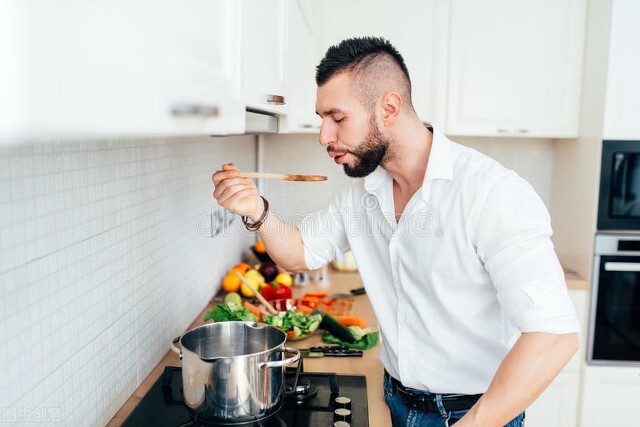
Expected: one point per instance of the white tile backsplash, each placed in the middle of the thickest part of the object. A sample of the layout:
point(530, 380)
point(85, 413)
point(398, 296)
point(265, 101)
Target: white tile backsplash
point(104, 257)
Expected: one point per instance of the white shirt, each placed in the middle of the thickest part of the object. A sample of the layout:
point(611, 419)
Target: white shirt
point(468, 267)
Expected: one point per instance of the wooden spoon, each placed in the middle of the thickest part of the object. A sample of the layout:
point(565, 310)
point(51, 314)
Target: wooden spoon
point(257, 294)
point(282, 176)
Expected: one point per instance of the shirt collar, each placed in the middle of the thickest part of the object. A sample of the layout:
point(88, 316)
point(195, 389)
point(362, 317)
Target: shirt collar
point(440, 166)
point(376, 179)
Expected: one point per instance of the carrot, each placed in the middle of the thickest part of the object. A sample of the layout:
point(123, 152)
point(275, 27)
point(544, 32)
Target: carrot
point(310, 295)
point(352, 321)
point(291, 334)
point(253, 309)
point(304, 309)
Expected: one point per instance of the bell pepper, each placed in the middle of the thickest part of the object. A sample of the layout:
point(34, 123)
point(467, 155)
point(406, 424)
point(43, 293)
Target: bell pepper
point(273, 291)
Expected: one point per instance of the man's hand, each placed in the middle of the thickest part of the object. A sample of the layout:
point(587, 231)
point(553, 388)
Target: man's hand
point(239, 195)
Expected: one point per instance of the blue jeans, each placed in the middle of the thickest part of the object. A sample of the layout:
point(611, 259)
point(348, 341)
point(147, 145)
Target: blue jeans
point(403, 416)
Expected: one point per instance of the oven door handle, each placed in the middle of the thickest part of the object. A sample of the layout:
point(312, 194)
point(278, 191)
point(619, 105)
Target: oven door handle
point(622, 266)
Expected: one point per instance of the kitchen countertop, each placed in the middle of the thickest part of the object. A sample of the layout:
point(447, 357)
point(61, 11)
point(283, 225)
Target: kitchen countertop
point(369, 365)
point(575, 282)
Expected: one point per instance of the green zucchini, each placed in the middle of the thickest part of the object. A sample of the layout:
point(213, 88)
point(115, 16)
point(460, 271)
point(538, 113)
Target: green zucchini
point(336, 328)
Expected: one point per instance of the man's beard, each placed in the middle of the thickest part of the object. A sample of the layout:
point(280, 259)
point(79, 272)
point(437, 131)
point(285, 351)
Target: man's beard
point(369, 154)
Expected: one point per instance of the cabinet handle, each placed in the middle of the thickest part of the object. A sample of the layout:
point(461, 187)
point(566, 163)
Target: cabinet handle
point(181, 110)
point(502, 130)
point(276, 99)
point(523, 130)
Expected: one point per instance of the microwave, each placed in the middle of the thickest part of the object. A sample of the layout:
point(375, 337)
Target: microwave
point(619, 198)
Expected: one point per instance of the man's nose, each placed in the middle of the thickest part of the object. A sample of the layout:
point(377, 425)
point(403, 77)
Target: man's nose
point(327, 134)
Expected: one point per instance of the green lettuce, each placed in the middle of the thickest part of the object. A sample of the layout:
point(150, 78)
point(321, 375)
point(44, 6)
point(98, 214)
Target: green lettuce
point(364, 339)
point(230, 312)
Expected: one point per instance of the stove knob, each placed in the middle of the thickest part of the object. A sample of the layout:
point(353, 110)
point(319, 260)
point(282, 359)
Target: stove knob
point(341, 424)
point(342, 414)
point(343, 402)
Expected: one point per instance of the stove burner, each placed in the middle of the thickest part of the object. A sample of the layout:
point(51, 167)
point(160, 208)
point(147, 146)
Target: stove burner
point(303, 386)
point(303, 392)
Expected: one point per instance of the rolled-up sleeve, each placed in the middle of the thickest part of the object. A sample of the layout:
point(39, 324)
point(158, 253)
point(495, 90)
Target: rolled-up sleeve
point(512, 234)
point(323, 236)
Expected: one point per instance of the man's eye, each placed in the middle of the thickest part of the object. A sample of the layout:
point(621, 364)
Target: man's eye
point(338, 120)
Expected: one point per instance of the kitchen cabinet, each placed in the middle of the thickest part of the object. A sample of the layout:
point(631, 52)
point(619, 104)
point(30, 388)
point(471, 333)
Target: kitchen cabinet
point(609, 396)
point(580, 300)
point(558, 405)
point(122, 67)
point(417, 28)
point(264, 56)
point(515, 68)
point(303, 56)
point(622, 107)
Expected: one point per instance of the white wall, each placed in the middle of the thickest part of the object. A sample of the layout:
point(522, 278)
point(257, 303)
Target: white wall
point(577, 162)
point(103, 259)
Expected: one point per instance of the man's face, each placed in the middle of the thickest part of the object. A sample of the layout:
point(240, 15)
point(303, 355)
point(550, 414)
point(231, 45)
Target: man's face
point(348, 130)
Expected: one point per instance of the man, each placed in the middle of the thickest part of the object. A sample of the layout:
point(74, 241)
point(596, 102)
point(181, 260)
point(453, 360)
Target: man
point(453, 249)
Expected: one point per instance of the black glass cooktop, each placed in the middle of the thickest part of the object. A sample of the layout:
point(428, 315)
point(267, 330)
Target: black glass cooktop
point(162, 405)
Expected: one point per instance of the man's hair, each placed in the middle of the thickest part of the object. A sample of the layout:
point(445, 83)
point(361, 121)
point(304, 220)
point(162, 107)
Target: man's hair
point(371, 61)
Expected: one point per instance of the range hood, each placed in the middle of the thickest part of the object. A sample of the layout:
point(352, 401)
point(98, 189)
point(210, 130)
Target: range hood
point(260, 122)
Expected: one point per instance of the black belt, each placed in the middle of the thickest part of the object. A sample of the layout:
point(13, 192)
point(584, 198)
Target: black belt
point(422, 403)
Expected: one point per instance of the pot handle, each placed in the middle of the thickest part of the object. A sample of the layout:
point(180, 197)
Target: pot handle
point(175, 349)
point(282, 363)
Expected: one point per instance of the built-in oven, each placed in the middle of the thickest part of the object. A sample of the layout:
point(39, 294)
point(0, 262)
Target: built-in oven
point(619, 198)
point(614, 329)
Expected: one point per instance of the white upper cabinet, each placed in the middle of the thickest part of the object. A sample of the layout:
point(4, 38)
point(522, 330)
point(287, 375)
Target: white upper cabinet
point(264, 44)
point(417, 28)
point(302, 58)
point(121, 67)
point(622, 109)
point(515, 67)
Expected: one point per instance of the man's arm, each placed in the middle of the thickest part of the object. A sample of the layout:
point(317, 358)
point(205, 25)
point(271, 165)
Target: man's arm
point(240, 196)
point(530, 366)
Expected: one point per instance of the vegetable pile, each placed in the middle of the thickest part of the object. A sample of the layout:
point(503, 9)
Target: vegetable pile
point(349, 331)
point(296, 325)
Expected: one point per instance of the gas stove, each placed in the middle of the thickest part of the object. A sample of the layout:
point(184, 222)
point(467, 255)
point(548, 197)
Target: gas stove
point(320, 400)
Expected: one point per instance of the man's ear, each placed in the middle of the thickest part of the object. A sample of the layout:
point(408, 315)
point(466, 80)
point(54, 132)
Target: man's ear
point(391, 106)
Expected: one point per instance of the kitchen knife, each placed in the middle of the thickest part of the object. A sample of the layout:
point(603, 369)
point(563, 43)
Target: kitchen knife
point(332, 350)
point(352, 292)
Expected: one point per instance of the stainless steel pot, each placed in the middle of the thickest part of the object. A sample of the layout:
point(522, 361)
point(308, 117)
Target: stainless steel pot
point(233, 372)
